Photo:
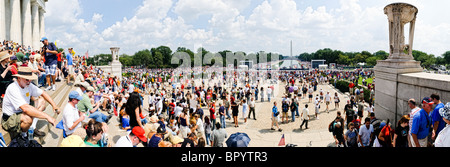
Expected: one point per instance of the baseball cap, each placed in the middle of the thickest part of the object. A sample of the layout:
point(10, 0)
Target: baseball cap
point(427, 100)
point(445, 111)
point(139, 132)
point(44, 38)
point(75, 95)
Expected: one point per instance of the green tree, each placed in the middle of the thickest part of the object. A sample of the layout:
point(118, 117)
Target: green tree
point(101, 60)
point(343, 60)
point(372, 61)
point(425, 59)
point(166, 53)
point(446, 57)
point(126, 60)
point(381, 55)
point(143, 57)
point(158, 60)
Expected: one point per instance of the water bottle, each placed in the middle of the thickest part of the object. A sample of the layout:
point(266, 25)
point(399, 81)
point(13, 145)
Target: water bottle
point(30, 134)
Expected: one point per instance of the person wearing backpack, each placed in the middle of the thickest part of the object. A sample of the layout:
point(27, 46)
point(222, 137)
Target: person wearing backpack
point(351, 136)
point(338, 134)
point(275, 114)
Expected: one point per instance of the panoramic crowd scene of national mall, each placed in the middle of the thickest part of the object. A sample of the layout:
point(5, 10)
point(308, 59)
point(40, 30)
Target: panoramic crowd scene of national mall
point(60, 89)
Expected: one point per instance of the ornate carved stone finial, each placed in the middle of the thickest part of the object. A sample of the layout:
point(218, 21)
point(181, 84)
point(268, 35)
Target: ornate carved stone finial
point(400, 14)
point(115, 53)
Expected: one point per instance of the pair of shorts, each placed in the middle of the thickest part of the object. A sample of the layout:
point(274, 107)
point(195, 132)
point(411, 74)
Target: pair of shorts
point(71, 69)
point(50, 70)
point(12, 125)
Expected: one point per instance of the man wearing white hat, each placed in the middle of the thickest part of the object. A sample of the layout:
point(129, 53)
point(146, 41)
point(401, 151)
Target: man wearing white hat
point(18, 114)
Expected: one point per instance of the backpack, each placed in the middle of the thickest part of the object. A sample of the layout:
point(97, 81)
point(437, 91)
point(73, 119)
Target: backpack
point(277, 113)
point(21, 141)
point(358, 92)
point(331, 126)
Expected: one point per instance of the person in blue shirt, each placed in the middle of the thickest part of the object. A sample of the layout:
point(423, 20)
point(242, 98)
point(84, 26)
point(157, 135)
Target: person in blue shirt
point(70, 66)
point(49, 51)
point(275, 114)
point(421, 125)
point(436, 118)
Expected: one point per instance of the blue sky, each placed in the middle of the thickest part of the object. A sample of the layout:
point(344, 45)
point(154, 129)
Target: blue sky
point(238, 25)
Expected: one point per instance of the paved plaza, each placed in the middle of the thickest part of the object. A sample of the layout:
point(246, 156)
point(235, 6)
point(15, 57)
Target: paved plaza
point(258, 130)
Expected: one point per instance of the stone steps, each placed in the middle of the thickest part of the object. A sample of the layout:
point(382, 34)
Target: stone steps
point(59, 96)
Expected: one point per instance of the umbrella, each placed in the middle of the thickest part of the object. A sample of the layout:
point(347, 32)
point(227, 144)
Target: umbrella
point(238, 140)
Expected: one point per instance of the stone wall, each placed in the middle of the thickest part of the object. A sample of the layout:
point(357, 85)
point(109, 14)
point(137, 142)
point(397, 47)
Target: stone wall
point(410, 85)
point(420, 85)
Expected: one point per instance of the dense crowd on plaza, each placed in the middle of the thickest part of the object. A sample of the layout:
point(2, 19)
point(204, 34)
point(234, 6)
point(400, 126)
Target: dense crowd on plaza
point(175, 115)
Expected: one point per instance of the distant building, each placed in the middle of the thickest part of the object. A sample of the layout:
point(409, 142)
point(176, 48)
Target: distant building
point(249, 64)
point(316, 63)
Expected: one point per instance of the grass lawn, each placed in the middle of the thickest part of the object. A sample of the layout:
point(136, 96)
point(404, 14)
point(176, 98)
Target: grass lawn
point(368, 80)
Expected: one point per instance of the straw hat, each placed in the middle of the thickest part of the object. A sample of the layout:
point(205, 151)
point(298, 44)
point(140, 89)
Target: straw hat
point(72, 141)
point(4, 55)
point(26, 73)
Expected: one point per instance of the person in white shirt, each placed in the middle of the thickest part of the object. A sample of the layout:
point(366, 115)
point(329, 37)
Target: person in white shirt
point(133, 138)
point(414, 110)
point(269, 93)
point(178, 109)
point(305, 116)
point(327, 100)
point(72, 117)
point(443, 139)
point(18, 114)
point(365, 133)
point(200, 128)
point(317, 106)
point(252, 106)
point(336, 100)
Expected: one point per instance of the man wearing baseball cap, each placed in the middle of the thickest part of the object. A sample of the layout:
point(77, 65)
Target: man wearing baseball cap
point(49, 51)
point(18, 114)
point(422, 124)
point(134, 137)
point(72, 117)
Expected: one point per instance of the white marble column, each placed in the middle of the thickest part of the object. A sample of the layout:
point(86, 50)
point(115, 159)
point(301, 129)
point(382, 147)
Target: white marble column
point(16, 22)
point(35, 25)
point(2, 20)
point(41, 23)
point(27, 30)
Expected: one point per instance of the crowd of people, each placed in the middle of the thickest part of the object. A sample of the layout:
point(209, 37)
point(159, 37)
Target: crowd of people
point(175, 115)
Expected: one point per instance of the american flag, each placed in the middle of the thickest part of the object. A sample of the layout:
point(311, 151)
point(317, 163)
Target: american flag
point(86, 56)
point(282, 141)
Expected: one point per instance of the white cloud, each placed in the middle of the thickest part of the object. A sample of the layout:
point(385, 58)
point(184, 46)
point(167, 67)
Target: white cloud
point(97, 18)
point(354, 25)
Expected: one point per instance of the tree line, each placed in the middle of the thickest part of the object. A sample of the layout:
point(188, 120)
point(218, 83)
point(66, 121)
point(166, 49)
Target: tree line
point(161, 57)
point(353, 58)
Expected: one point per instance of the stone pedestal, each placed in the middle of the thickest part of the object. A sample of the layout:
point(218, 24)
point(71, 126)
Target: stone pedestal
point(400, 61)
point(116, 66)
point(387, 74)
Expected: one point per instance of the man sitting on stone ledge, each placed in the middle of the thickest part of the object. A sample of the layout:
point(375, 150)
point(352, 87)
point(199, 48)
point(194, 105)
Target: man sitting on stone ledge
point(18, 114)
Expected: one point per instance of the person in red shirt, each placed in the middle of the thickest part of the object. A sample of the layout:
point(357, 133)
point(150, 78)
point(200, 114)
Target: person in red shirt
point(212, 114)
point(385, 136)
point(13, 63)
point(58, 68)
point(351, 86)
